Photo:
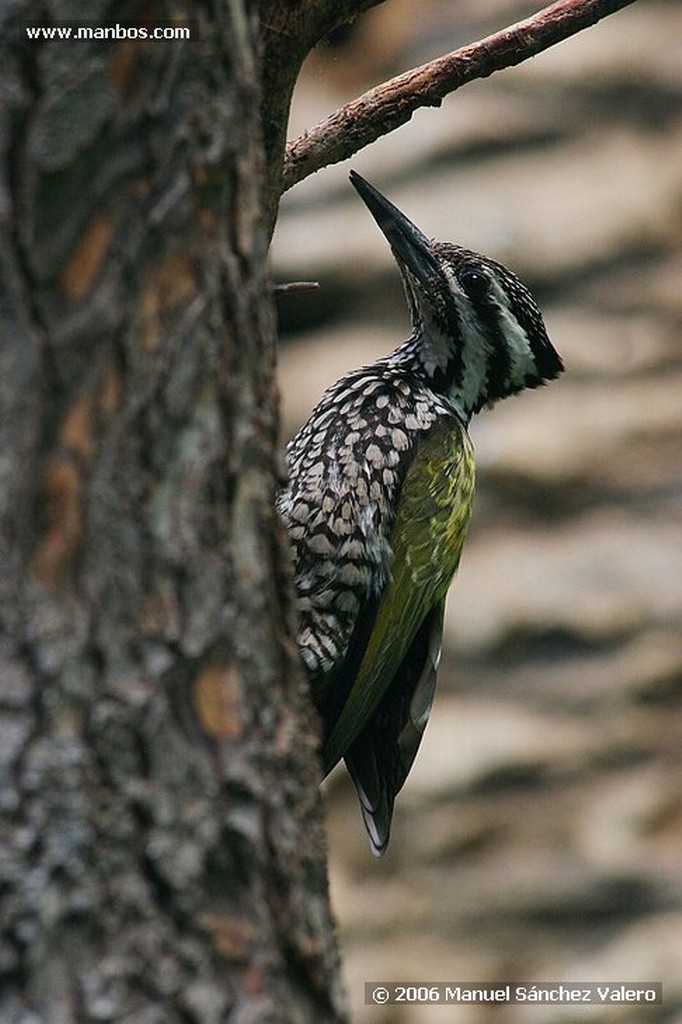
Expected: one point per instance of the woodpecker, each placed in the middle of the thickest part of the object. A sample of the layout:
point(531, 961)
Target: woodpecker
point(379, 495)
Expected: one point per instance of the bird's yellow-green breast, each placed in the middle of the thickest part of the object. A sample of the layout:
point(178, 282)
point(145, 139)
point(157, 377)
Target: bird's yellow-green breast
point(427, 537)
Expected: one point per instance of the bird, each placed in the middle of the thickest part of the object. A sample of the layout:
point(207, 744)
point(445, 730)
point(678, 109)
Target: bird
point(378, 498)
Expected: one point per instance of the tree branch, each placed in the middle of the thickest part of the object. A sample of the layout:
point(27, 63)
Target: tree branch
point(289, 31)
point(392, 104)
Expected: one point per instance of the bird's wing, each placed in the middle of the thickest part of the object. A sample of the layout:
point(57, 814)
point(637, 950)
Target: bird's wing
point(426, 540)
point(381, 757)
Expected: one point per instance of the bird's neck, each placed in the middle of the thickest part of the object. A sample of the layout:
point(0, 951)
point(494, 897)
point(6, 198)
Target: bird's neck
point(432, 361)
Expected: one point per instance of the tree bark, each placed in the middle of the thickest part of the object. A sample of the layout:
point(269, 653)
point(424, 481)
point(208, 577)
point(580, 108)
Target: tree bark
point(162, 856)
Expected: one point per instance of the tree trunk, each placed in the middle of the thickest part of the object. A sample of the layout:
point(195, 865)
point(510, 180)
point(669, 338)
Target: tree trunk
point(161, 856)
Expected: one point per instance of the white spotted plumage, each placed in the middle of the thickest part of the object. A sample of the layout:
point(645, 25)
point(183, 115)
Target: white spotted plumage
point(344, 467)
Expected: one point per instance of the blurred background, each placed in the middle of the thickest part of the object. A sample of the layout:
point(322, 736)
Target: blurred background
point(539, 836)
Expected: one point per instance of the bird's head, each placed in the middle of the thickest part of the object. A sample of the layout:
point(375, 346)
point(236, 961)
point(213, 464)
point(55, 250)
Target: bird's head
point(478, 333)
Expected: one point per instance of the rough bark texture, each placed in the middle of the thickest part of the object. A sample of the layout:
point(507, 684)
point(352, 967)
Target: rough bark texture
point(161, 857)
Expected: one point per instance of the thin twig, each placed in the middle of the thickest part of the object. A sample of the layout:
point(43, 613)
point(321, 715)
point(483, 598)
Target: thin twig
point(296, 286)
point(391, 104)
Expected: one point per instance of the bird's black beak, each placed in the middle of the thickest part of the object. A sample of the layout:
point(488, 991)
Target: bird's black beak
point(410, 246)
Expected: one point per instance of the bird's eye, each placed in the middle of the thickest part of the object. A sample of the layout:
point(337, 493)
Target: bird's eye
point(475, 283)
